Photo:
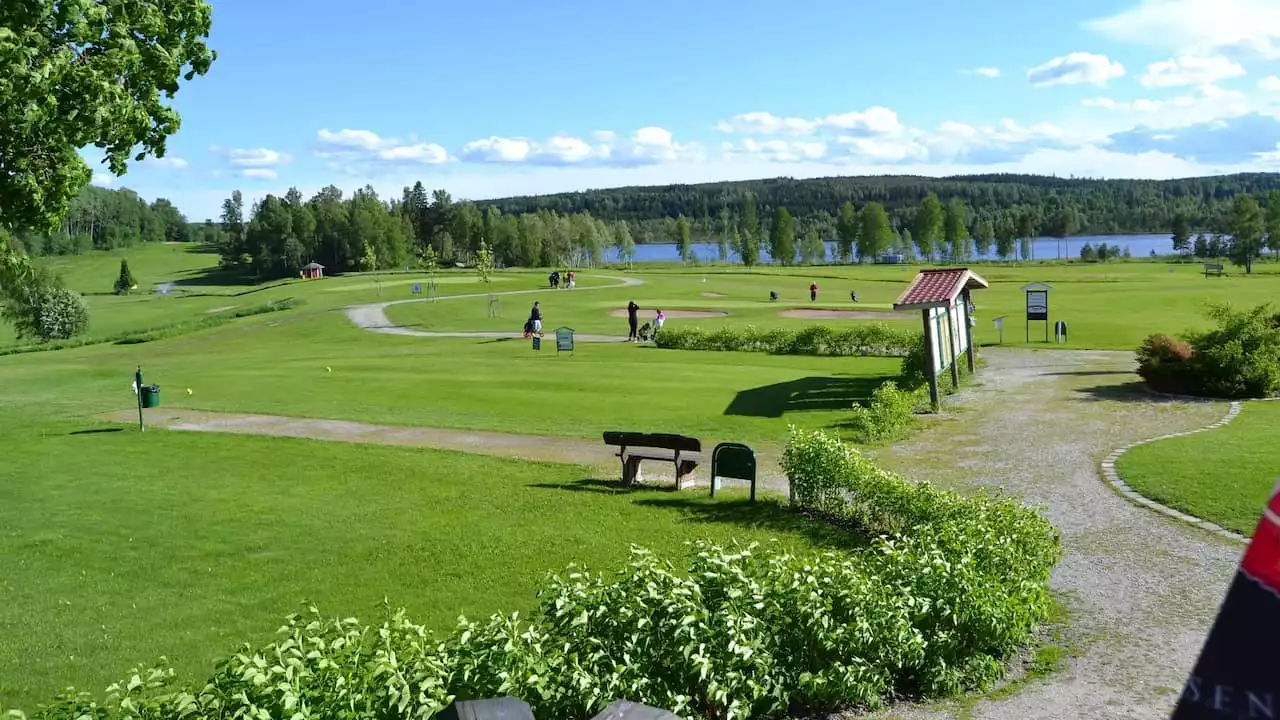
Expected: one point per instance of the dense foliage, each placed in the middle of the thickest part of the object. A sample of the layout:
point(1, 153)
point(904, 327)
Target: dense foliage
point(76, 73)
point(103, 219)
point(35, 301)
point(945, 592)
point(863, 339)
point(1238, 358)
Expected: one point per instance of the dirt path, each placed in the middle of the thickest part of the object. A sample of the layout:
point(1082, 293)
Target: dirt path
point(538, 448)
point(1142, 588)
point(373, 317)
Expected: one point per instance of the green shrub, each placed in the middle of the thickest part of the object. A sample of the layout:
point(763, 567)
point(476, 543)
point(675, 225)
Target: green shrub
point(1240, 357)
point(1165, 364)
point(46, 311)
point(861, 340)
point(887, 415)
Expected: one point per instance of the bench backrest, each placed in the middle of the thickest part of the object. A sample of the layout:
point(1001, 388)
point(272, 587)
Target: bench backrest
point(664, 441)
point(1213, 268)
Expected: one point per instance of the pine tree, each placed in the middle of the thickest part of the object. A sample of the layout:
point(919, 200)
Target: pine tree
point(125, 282)
point(1181, 233)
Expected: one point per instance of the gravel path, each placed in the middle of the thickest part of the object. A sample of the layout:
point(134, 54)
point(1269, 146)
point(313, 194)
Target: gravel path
point(373, 317)
point(1142, 588)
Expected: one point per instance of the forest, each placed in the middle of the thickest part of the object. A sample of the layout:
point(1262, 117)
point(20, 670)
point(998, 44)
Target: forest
point(935, 218)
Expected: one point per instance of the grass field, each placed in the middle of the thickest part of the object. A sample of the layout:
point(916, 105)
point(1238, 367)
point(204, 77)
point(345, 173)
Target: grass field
point(118, 547)
point(1224, 475)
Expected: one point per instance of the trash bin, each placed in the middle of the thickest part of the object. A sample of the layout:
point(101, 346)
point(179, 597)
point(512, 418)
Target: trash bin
point(150, 396)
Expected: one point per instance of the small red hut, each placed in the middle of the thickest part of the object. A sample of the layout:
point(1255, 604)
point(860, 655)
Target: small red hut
point(312, 271)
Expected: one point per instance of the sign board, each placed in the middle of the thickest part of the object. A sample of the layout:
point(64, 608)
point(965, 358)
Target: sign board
point(942, 331)
point(1037, 305)
point(564, 339)
point(1235, 676)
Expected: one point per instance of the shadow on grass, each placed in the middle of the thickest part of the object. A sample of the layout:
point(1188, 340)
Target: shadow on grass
point(96, 431)
point(767, 513)
point(811, 393)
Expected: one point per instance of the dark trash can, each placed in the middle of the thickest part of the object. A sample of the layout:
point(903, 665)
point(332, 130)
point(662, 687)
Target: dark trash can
point(150, 396)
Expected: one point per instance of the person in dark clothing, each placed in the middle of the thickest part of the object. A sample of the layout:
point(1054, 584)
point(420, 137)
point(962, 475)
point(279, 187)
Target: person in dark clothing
point(535, 318)
point(773, 296)
point(813, 292)
point(555, 280)
point(853, 295)
point(633, 320)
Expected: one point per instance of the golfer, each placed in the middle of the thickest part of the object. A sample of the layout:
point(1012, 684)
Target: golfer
point(535, 318)
point(633, 320)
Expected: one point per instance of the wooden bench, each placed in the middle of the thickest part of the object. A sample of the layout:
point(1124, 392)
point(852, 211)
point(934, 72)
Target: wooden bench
point(634, 448)
point(1213, 269)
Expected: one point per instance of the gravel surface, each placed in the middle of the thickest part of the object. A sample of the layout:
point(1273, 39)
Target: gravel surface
point(1142, 589)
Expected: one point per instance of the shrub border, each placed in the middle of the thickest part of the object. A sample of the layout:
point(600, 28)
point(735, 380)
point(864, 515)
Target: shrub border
point(1112, 477)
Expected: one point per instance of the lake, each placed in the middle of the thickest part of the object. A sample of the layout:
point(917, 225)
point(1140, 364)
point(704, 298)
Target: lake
point(1042, 248)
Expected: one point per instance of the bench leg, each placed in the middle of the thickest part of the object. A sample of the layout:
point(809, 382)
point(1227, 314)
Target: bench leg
point(631, 471)
point(683, 470)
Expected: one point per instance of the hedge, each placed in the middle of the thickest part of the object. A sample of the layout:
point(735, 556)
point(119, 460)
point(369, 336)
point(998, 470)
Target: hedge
point(945, 591)
point(863, 339)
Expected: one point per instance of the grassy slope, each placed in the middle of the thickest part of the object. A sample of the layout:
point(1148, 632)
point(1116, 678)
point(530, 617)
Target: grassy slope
point(119, 547)
point(1224, 475)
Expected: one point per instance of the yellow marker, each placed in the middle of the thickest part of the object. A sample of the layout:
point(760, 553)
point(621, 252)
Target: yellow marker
point(188, 391)
point(328, 369)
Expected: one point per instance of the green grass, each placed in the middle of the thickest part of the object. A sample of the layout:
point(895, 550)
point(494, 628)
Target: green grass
point(1225, 475)
point(118, 547)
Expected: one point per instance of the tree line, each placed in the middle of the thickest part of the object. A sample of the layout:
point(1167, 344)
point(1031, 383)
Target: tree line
point(104, 219)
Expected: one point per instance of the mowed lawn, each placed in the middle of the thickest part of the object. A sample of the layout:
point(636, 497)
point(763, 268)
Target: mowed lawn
point(118, 547)
point(1224, 475)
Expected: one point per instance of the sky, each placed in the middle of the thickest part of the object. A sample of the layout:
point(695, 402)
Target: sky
point(497, 97)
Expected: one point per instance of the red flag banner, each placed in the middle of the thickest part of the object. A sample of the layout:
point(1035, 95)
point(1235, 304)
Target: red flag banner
point(1238, 676)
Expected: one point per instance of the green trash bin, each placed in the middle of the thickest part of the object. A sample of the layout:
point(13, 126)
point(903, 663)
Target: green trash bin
point(150, 396)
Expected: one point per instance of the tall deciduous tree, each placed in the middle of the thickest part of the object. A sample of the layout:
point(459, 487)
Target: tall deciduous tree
point(748, 248)
point(847, 231)
point(954, 229)
point(1273, 221)
point(782, 237)
point(1181, 233)
point(929, 226)
point(1245, 225)
point(875, 233)
point(811, 247)
point(984, 236)
point(1006, 232)
point(85, 73)
point(684, 239)
point(626, 244)
point(1026, 233)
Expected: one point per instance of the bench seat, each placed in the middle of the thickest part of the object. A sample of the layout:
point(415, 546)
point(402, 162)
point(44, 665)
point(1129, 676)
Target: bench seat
point(634, 448)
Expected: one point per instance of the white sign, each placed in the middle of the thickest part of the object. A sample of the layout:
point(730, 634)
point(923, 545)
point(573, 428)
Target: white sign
point(941, 330)
point(1037, 302)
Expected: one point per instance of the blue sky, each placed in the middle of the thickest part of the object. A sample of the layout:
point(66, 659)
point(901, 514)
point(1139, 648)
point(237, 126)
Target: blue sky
point(494, 98)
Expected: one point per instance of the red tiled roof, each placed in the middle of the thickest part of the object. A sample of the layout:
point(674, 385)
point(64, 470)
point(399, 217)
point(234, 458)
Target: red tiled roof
point(938, 287)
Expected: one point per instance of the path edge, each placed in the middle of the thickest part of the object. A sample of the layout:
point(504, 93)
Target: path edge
point(1112, 477)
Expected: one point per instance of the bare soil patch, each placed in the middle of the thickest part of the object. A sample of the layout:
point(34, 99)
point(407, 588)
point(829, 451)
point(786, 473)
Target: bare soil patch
point(711, 294)
point(820, 314)
point(217, 310)
point(622, 312)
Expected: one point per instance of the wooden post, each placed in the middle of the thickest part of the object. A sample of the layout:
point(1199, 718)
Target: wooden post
point(968, 331)
point(931, 371)
point(955, 361)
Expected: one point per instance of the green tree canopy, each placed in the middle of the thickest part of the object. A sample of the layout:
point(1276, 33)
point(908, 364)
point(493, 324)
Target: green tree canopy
point(1246, 225)
point(782, 237)
point(79, 73)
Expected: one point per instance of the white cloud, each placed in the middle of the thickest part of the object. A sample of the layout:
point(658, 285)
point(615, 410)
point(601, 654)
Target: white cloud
point(987, 72)
point(1271, 83)
point(102, 179)
point(648, 145)
point(258, 173)
point(875, 120)
point(784, 151)
point(1198, 26)
point(1207, 103)
point(1077, 68)
point(169, 161)
point(1190, 70)
point(364, 151)
point(257, 157)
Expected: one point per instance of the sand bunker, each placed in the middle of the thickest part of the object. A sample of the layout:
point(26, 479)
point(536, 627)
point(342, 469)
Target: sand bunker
point(647, 313)
point(711, 294)
point(224, 308)
point(845, 314)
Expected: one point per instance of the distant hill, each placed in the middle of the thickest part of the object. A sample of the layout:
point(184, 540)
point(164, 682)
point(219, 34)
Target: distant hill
point(1094, 206)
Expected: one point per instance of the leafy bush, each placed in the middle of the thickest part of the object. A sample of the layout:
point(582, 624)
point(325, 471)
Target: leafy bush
point(1165, 364)
point(889, 413)
point(1238, 358)
point(864, 339)
point(46, 311)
